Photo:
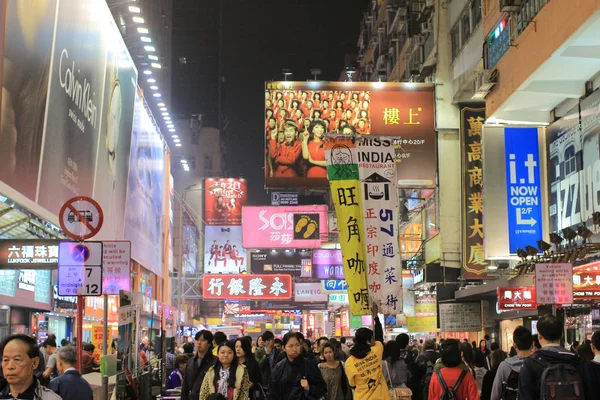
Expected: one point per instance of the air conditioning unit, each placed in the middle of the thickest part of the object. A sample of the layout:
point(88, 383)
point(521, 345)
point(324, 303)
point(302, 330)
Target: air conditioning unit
point(483, 83)
point(510, 5)
point(426, 27)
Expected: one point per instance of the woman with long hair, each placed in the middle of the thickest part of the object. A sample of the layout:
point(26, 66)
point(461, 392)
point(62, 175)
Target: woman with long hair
point(333, 374)
point(243, 352)
point(395, 369)
point(313, 149)
point(286, 155)
point(227, 377)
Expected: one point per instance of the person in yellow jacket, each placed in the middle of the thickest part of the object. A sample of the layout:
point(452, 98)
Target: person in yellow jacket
point(219, 339)
point(364, 366)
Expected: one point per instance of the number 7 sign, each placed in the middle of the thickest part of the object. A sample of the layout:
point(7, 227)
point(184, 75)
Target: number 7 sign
point(80, 269)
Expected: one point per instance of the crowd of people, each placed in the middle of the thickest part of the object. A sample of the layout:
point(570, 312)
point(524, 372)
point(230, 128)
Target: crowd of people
point(296, 123)
point(538, 367)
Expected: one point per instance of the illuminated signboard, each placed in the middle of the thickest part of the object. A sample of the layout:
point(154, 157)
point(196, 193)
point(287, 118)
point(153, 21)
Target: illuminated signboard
point(28, 254)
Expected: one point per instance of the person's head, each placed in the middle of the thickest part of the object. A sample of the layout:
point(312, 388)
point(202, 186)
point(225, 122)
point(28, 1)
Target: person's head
point(278, 95)
point(450, 353)
point(226, 353)
point(339, 104)
point(402, 340)
point(295, 103)
point(50, 346)
point(269, 112)
point(188, 348)
point(89, 347)
point(391, 350)
point(272, 122)
point(180, 362)
point(494, 346)
point(317, 96)
point(343, 340)
point(522, 339)
point(466, 340)
point(348, 130)
point(316, 114)
point(317, 129)
point(290, 130)
point(64, 343)
point(466, 352)
point(429, 345)
point(550, 329)
point(482, 344)
point(325, 104)
point(474, 344)
point(267, 338)
point(243, 348)
point(585, 352)
point(219, 337)
point(278, 344)
point(309, 103)
point(204, 340)
point(320, 342)
point(291, 346)
point(363, 336)
point(20, 357)
point(497, 357)
point(487, 337)
point(328, 352)
point(536, 343)
point(66, 358)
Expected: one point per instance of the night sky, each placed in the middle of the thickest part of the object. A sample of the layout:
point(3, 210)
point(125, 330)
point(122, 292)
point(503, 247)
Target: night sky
point(260, 41)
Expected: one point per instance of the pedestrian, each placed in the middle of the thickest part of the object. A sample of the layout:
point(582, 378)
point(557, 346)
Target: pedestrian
point(334, 374)
point(267, 357)
point(592, 369)
point(175, 379)
point(452, 377)
point(170, 358)
point(571, 380)
point(497, 357)
point(506, 381)
point(219, 339)
point(197, 366)
point(243, 351)
point(70, 385)
point(20, 357)
point(395, 368)
point(226, 377)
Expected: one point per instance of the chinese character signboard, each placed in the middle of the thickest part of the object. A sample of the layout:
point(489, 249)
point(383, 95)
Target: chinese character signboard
point(253, 287)
point(295, 263)
point(277, 227)
point(328, 264)
point(299, 114)
point(554, 283)
point(524, 200)
point(116, 266)
point(27, 254)
point(333, 286)
point(380, 227)
point(586, 282)
point(223, 250)
point(460, 317)
point(516, 298)
point(223, 200)
point(474, 263)
point(342, 168)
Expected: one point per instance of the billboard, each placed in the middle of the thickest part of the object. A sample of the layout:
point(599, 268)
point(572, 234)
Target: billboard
point(68, 92)
point(586, 282)
point(295, 263)
point(145, 191)
point(516, 298)
point(299, 114)
point(223, 201)
point(284, 227)
point(223, 251)
point(308, 292)
point(474, 264)
point(244, 286)
point(328, 264)
point(28, 253)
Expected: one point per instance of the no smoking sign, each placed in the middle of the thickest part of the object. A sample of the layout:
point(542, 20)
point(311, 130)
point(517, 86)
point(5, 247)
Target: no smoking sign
point(81, 218)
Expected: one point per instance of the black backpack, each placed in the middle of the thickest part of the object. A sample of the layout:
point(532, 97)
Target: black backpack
point(560, 381)
point(510, 387)
point(427, 380)
point(450, 393)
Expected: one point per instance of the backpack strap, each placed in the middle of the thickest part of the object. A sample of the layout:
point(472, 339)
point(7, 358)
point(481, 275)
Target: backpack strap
point(441, 379)
point(459, 381)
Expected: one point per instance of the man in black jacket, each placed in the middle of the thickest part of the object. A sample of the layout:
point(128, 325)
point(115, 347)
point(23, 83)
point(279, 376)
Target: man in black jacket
point(267, 356)
point(198, 366)
point(550, 331)
point(70, 385)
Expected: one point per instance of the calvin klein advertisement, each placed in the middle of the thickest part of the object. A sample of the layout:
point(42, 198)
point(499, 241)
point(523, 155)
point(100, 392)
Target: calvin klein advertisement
point(145, 191)
point(75, 94)
point(28, 31)
point(112, 165)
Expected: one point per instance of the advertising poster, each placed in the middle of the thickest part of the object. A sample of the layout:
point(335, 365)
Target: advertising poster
point(244, 287)
point(75, 100)
point(554, 283)
point(114, 142)
point(299, 114)
point(284, 227)
point(328, 264)
point(295, 263)
point(145, 191)
point(422, 324)
point(223, 200)
point(126, 345)
point(308, 292)
point(377, 174)
point(474, 262)
point(28, 31)
point(573, 158)
point(342, 168)
point(97, 335)
point(223, 252)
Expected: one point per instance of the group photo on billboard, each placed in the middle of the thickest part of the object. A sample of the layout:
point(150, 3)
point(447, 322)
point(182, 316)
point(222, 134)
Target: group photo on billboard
point(298, 116)
point(223, 251)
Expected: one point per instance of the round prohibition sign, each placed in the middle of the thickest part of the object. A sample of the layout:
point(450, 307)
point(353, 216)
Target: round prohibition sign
point(80, 253)
point(81, 218)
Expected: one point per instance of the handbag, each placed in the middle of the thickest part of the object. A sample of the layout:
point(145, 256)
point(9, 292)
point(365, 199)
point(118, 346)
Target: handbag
point(398, 393)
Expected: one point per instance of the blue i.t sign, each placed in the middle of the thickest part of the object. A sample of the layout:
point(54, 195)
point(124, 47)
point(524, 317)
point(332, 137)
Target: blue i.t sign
point(523, 187)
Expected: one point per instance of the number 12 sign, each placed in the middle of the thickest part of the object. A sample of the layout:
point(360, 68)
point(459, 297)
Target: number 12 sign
point(80, 269)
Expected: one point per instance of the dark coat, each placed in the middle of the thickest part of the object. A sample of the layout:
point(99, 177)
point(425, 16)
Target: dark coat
point(194, 375)
point(71, 386)
point(265, 365)
point(286, 376)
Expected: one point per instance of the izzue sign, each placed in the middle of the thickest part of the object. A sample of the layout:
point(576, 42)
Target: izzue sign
point(28, 254)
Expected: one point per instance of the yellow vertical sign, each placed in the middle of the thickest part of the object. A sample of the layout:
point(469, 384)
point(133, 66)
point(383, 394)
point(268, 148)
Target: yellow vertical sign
point(342, 171)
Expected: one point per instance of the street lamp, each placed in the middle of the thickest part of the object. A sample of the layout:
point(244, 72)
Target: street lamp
point(286, 73)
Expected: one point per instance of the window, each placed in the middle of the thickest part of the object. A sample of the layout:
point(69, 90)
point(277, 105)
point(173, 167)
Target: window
point(207, 162)
point(455, 37)
point(465, 27)
point(570, 161)
point(475, 13)
point(182, 60)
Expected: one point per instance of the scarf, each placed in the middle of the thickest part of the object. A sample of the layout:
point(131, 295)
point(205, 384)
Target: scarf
point(223, 382)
